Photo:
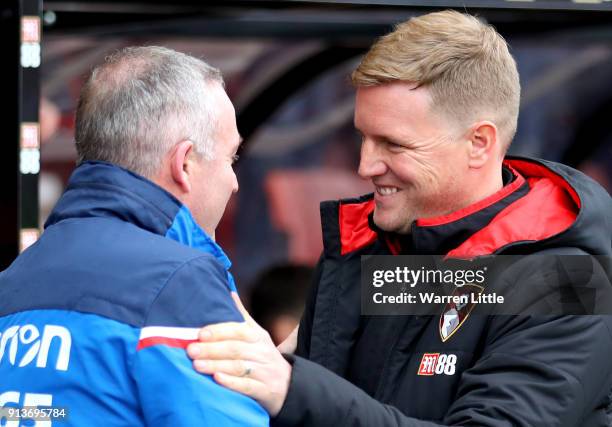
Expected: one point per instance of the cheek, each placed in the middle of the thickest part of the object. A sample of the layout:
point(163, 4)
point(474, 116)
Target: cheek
point(443, 167)
point(416, 170)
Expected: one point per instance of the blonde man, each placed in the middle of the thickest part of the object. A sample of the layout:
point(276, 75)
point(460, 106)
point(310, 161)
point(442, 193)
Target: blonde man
point(437, 105)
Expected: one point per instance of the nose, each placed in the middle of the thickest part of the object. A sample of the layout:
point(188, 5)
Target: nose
point(371, 163)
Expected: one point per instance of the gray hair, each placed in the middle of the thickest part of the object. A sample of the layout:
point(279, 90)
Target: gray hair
point(140, 102)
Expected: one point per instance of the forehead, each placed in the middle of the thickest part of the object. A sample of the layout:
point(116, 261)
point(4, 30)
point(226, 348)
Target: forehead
point(396, 107)
point(227, 129)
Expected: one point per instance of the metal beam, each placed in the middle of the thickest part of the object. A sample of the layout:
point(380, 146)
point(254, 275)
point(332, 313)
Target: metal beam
point(165, 6)
point(29, 140)
point(9, 123)
point(20, 30)
point(303, 18)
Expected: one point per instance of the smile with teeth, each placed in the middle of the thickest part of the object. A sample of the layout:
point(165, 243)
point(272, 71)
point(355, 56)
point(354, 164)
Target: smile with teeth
point(386, 191)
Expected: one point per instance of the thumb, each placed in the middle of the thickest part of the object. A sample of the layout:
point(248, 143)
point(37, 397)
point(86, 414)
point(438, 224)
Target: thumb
point(241, 309)
point(290, 344)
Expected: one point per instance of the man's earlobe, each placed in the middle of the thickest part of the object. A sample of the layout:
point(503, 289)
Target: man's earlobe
point(179, 164)
point(483, 143)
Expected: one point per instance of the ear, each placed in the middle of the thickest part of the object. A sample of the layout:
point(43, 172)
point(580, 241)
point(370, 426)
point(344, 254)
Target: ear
point(483, 143)
point(179, 165)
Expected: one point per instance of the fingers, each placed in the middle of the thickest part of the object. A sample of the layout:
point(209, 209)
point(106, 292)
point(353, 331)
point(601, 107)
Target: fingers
point(236, 368)
point(244, 385)
point(227, 331)
point(224, 350)
point(256, 369)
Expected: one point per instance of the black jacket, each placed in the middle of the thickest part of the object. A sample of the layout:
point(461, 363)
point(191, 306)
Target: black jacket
point(507, 370)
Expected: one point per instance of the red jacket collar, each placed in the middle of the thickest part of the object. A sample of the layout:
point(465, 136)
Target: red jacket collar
point(536, 205)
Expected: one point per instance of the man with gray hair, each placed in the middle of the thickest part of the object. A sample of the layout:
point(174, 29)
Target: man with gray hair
point(95, 316)
point(436, 105)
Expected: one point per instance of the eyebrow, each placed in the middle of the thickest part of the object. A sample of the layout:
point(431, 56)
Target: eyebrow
point(383, 137)
point(377, 136)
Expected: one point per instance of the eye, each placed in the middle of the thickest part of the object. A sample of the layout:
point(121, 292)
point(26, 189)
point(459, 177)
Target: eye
point(394, 146)
point(235, 158)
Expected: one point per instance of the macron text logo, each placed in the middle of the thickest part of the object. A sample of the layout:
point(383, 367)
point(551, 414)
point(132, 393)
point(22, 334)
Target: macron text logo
point(28, 336)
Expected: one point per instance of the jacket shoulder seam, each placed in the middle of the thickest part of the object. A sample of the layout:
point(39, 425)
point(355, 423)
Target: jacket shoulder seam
point(169, 279)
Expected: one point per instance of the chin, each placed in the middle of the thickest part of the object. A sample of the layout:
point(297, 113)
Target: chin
point(391, 225)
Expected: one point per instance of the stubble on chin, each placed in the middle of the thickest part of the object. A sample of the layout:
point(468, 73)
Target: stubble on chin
point(399, 225)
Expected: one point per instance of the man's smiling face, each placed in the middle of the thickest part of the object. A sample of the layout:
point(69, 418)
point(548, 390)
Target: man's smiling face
point(411, 154)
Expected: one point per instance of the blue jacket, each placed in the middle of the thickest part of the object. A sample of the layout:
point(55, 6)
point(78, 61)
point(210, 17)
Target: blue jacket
point(96, 315)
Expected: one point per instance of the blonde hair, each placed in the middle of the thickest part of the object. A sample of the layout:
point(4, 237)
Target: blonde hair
point(463, 62)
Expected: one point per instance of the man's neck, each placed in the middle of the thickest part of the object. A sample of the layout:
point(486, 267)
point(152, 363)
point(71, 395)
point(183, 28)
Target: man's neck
point(488, 184)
